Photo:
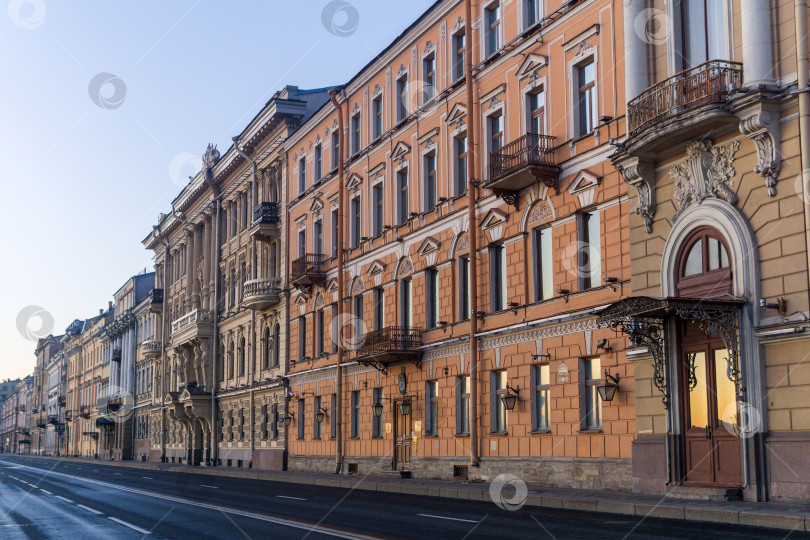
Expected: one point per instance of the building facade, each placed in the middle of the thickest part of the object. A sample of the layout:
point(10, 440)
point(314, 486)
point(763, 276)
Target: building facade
point(147, 319)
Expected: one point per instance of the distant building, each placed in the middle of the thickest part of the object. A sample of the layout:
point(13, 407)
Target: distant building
point(8, 387)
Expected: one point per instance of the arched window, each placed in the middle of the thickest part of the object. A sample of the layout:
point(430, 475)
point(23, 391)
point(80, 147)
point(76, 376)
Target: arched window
point(276, 345)
point(231, 366)
point(241, 356)
point(704, 268)
point(268, 344)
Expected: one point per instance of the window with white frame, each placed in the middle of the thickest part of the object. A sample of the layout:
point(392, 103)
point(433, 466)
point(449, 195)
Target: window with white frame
point(317, 164)
point(356, 223)
point(402, 98)
point(460, 171)
point(586, 97)
point(464, 287)
point(377, 201)
point(541, 384)
point(543, 268)
point(356, 125)
point(302, 175)
point(497, 271)
point(536, 107)
point(406, 302)
point(379, 308)
point(431, 408)
point(432, 297)
point(376, 117)
point(498, 409)
point(429, 169)
point(462, 404)
point(459, 48)
point(591, 403)
point(334, 231)
point(335, 149)
point(532, 11)
point(428, 78)
point(317, 228)
point(492, 28)
point(402, 195)
point(589, 253)
point(704, 31)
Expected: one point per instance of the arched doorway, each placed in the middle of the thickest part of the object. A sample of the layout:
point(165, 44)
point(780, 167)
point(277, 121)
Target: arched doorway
point(711, 445)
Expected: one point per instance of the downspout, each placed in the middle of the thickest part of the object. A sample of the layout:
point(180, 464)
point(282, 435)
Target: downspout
point(163, 324)
point(803, 68)
point(338, 378)
point(208, 176)
point(471, 220)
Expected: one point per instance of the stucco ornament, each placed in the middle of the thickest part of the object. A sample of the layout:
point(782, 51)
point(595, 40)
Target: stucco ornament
point(705, 173)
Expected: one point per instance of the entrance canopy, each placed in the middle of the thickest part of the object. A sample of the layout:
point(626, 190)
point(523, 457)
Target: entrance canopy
point(641, 319)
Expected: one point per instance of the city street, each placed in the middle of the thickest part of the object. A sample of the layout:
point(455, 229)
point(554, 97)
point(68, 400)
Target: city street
point(49, 499)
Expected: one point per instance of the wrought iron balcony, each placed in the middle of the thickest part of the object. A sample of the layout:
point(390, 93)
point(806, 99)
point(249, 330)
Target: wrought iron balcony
point(261, 293)
point(389, 345)
point(521, 163)
point(84, 411)
point(308, 270)
point(704, 84)
point(151, 348)
point(156, 300)
point(266, 220)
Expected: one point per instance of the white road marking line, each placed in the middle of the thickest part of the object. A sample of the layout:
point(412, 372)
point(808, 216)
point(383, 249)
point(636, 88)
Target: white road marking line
point(288, 497)
point(146, 477)
point(450, 518)
point(90, 509)
point(212, 487)
point(64, 499)
point(130, 525)
point(45, 491)
point(15, 478)
point(117, 473)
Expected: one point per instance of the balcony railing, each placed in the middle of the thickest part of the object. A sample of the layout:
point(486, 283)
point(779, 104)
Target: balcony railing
point(116, 355)
point(709, 82)
point(151, 348)
point(392, 339)
point(309, 269)
point(267, 212)
point(156, 300)
point(262, 293)
point(190, 318)
point(523, 162)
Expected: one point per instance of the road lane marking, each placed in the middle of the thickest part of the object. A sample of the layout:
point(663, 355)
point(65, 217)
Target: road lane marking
point(212, 487)
point(146, 477)
point(90, 509)
point(288, 497)
point(130, 525)
point(450, 518)
point(45, 491)
point(117, 473)
point(64, 499)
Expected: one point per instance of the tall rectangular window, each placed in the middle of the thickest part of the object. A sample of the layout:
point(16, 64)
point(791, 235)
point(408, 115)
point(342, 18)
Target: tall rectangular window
point(302, 338)
point(543, 264)
point(589, 396)
point(498, 389)
point(379, 307)
point(495, 132)
point(376, 117)
point(355, 414)
point(334, 228)
point(497, 271)
point(333, 418)
point(274, 424)
point(358, 306)
point(334, 322)
point(302, 409)
point(586, 98)
point(464, 288)
point(540, 381)
point(302, 175)
point(402, 98)
point(537, 111)
point(590, 253)
point(460, 177)
point(432, 297)
point(355, 134)
point(377, 201)
point(316, 426)
point(302, 242)
point(428, 78)
point(405, 299)
point(402, 195)
point(317, 164)
point(430, 182)
point(532, 12)
point(463, 404)
point(377, 425)
point(704, 31)
point(335, 149)
point(431, 409)
point(318, 236)
point(320, 332)
point(355, 222)
point(492, 19)
point(459, 46)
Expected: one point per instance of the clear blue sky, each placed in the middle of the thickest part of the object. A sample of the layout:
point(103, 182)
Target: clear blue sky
point(82, 184)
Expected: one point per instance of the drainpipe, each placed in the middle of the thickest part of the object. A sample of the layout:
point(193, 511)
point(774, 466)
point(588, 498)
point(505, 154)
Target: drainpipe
point(208, 176)
point(338, 377)
point(163, 325)
point(471, 196)
point(803, 68)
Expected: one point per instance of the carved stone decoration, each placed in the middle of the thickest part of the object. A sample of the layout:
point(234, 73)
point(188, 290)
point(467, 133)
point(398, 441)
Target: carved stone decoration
point(405, 268)
point(641, 175)
point(201, 270)
point(211, 156)
point(463, 243)
point(539, 212)
point(762, 127)
point(705, 173)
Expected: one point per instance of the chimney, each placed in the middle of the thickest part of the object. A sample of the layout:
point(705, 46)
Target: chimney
point(101, 311)
point(109, 306)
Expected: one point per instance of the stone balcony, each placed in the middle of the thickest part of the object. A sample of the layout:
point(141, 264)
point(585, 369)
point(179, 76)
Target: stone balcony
point(156, 300)
point(266, 221)
point(194, 325)
point(261, 293)
point(151, 348)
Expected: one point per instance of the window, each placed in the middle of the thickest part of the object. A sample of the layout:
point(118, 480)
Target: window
point(333, 418)
point(540, 391)
point(431, 409)
point(428, 78)
point(302, 338)
point(376, 117)
point(704, 266)
point(405, 299)
point(460, 177)
point(319, 333)
point(432, 297)
point(241, 356)
point(495, 132)
point(335, 149)
point(379, 307)
point(498, 389)
point(586, 100)
point(317, 164)
point(334, 329)
point(334, 217)
point(463, 404)
point(543, 264)
point(537, 111)
point(591, 402)
point(301, 423)
point(464, 288)
point(459, 46)
point(302, 242)
point(241, 424)
point(377, 423)
point(318, 236)
point(402, 98)
point(358, 306)
point(265, 421)
point(355, 133)
point(377, 218)
point(355, 414)
point(274, 424)
point(492, 17)
point(276, 345)
point(316, 426)
point(589, 253)
point(355, 222)
point(704, 31)
point(430, 182)
point(497, 271)
point(402, 195)
point(532, 12)
point(302, 175)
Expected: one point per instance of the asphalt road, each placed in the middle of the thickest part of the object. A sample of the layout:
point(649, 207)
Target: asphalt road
point(60, 499)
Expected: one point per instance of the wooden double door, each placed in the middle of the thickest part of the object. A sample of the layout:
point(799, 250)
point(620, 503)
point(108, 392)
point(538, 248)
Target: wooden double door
point(402, 437)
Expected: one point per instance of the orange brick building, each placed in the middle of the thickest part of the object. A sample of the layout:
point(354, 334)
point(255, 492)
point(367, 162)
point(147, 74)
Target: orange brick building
point(545, 248)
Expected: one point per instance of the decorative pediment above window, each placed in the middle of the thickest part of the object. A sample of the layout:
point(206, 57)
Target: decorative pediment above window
point(584, 187)
point(401, 151)
point(303, 152)
point(429, 249)
point(301, 300)
point(402, 69)
point(377, 90)
point(319, 302)
point(377, 171)
point(429, 139)
point(492, 99)
point(457, 116)
point(354, 182)
point(430, 46)
point(375, 268)
point(318, 138)
point(493, 218)
point(332, 286)
point(355, 109)
point(532, 64)
point(357, 286)
point(459, 25)
point(316, 206)
point(405, 267)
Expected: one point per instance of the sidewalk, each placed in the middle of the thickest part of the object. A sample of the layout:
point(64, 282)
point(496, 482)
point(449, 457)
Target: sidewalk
point(791, 517)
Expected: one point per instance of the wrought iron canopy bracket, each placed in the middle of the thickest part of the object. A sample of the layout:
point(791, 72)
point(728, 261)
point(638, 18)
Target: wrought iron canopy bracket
point(508, 196)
